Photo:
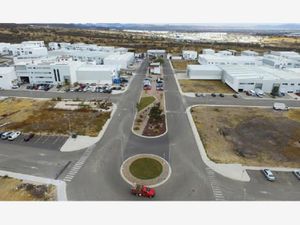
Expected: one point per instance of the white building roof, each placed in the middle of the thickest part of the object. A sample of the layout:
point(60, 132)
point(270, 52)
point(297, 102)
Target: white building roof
point(96, 68)
point(259, 72)
point(204, 67)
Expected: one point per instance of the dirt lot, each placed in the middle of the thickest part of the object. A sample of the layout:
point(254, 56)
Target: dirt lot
point(16, 190)
point(205, 86)
point(250, 136)
point(40, 117)
point(182, 64)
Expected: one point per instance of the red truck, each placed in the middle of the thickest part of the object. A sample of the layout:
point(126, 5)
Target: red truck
point(143, 191)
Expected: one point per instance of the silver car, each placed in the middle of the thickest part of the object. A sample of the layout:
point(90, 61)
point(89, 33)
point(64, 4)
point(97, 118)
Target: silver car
point(297, 173)
point(5, 135)
point(268, 174)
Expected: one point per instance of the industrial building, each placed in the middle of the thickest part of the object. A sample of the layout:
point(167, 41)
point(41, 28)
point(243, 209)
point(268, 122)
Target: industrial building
point(224, 59)
point(249, 53)
point(189, 55)
point(8, 77)
point(47, 71)
point(204, 72)
point(208, 51)
point(282, 59)
point(121, 61)
point(243, 78)
point(100, 74)
point(156, 53)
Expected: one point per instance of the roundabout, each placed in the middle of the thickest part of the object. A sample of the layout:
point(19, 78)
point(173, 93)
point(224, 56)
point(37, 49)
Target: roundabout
point(146, 169)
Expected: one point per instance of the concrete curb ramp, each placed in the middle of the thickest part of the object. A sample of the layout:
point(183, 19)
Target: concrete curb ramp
point(60, 185)
point(130, 179)
point(82, 142)
point(232, 171)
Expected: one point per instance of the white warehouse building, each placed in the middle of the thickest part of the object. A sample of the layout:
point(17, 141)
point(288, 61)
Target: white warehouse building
point(7, 77)
point(219, 59)
point(49, 71)
point(100, 74)
point(204, 72)
point(189, 55)
point(122, 61)
point(249, 53)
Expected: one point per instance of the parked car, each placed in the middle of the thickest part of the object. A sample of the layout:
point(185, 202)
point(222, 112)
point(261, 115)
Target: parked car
point(297, 173)
point(221, 95)
point(268, 174)
point(235, 95)
point(280, 106)
point(213, 94)
point(15, 87)
point(28, 137)
point(5, 135)
point(14, 135)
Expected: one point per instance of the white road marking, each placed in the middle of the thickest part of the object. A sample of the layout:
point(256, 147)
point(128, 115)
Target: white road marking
point(77, 166)
point(214, 185)
point(47, 137)
point(37, 139)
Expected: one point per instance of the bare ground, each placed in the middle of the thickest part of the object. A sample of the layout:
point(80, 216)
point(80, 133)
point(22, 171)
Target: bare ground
point(40, 117)
point(182, 64)
point(250, 136)
point(16, 190)
point(205, 86)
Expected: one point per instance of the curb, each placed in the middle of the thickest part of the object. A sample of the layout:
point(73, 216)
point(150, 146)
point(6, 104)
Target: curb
point(94, 140)
point(232, 171)
point(144, 155)
point(61, 194)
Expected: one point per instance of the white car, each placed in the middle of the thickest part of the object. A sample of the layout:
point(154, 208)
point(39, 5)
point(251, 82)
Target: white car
point(14, 135)
point(5, 135)
point(268, 174)
point(297, 173)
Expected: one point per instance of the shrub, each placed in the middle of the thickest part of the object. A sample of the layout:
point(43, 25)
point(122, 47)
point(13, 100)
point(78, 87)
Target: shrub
point(136, 128)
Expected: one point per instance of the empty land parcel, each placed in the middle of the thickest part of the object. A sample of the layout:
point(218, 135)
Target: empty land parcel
point(204, 86)
point(250, 136)
point(12, 189)
point(40, 116)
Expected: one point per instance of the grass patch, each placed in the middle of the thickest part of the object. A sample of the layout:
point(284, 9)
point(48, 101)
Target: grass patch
point(144, 102)
point(145, 168)
point(182, 64)
point(205, 86)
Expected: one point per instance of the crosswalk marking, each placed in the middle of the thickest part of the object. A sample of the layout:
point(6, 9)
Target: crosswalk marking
point(214, 185)
point(77, 166)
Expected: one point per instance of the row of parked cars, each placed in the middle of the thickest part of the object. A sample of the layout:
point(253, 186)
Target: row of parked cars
point(214, 95)
point(41, 87)
point(13, 135)
point(270, 176)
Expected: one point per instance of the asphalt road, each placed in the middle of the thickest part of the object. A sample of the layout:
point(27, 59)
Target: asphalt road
point(98, 176)
point(37, 161)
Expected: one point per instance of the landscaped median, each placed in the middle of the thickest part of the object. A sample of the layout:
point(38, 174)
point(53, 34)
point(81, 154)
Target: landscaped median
point(150, 118)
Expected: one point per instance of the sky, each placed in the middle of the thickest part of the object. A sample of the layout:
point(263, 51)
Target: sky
point(152, 11)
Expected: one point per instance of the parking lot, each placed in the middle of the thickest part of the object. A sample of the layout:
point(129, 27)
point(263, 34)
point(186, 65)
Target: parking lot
point(39, 141)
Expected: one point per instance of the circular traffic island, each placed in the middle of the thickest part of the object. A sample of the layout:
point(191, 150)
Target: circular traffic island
point(146, 169)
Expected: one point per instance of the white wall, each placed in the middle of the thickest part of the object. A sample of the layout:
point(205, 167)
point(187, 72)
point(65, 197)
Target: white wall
point(7, 76)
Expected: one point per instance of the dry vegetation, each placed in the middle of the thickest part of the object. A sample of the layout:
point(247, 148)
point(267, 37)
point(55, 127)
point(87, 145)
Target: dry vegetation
point(205, 86)
point(134, 41)
point(250, 136)
point(16, 190)
point(182, 64)
point(40, 117)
